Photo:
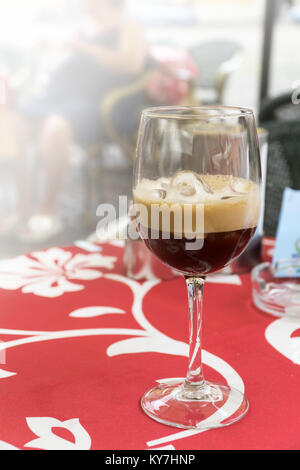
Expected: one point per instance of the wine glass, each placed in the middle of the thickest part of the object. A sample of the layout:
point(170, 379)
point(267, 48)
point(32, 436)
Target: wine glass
point(197, 204)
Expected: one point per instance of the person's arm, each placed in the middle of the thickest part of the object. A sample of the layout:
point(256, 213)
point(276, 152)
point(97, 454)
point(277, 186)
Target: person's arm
point(128, 58)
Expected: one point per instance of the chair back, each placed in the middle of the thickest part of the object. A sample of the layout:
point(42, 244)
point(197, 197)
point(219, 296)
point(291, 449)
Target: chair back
point(283, 167)
point(209, 57)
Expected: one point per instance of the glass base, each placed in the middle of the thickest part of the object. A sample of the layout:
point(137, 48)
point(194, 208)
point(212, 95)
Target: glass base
point(202, 407)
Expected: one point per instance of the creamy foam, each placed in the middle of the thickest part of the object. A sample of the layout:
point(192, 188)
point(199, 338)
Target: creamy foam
point(198, 204)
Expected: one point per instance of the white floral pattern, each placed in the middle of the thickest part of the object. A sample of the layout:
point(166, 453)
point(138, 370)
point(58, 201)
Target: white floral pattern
point(279, 334)
point(50, 273)
point(47, 440)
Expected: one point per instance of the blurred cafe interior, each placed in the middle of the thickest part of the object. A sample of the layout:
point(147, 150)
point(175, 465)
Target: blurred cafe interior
point(75, 75)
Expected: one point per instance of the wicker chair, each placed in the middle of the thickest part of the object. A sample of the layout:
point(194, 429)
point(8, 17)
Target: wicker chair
point(216, 61)
point(282, 120)
point(111, 107)
point(109, 111)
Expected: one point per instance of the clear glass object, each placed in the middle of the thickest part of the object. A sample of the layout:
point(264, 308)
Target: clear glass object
point(252, 256)
point(278, 296)
point(198, 161)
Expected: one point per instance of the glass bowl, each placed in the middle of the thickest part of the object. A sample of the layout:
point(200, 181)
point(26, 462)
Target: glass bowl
point(277, 296)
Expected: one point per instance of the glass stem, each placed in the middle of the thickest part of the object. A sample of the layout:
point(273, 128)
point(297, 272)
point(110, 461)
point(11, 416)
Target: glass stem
point(195, 379)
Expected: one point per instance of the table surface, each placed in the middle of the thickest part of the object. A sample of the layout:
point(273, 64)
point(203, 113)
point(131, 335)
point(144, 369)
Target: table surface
point(80, 344)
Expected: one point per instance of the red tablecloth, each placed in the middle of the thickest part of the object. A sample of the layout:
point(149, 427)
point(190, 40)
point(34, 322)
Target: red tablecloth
point(83, 343)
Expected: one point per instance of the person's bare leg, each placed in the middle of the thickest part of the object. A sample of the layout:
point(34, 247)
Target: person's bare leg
point(25, 135)
point(55, 150)
point(18, 133)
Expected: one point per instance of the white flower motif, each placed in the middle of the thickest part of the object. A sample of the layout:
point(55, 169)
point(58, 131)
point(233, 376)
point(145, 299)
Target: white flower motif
point(47, 440)
point(7, 446)
point(92, 312)
point(48, 273)
point(279, 335)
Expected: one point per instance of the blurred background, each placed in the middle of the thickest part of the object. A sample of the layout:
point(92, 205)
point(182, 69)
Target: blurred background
point(75, 75)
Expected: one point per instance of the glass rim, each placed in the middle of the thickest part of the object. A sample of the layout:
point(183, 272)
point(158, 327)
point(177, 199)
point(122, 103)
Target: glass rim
point(205, 112)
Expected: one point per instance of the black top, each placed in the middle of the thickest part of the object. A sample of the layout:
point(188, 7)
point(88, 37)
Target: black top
point(81, 75)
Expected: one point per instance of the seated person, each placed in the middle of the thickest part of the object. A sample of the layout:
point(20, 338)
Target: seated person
point(69, 107)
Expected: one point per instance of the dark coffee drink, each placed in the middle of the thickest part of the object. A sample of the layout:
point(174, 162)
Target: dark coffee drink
point(197, 224)
point(217, 250)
